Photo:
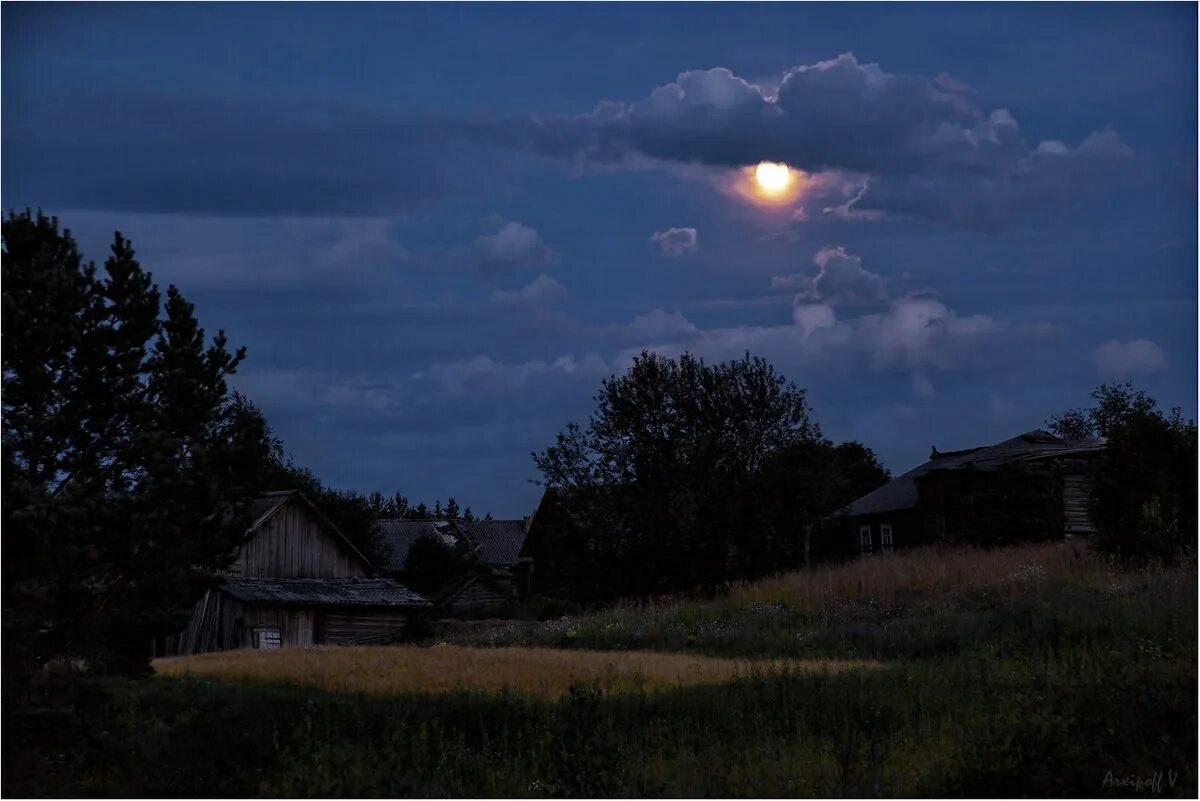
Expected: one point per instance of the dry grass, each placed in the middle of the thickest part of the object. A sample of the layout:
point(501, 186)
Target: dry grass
point(928, 570)
point(546, 672)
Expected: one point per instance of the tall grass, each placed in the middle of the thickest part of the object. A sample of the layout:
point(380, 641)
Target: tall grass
point(1035, 671)
point(544, 672)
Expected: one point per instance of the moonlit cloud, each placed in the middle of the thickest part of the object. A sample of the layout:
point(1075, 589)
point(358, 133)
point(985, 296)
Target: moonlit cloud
point(675, 242)
point(840, 279)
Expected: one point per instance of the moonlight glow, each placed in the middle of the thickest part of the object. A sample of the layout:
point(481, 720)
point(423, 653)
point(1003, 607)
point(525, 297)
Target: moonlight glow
point(773, 178)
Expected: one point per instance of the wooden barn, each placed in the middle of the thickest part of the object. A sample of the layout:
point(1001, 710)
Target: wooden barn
point(297, 581)
point(499, 574)
point(1033, 485)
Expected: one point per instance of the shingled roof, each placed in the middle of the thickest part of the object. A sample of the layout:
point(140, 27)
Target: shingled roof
point(901, 492)
point(397, 537)
point(496, 542)
point(324, 592)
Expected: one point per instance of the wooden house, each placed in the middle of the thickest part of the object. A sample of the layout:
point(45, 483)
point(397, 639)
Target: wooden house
point(498, 572)
point(296, 580)
point(1034, 483)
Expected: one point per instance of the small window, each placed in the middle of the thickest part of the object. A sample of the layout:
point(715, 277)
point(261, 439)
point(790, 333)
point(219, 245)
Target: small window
point(266, 638)
point(885, 537)
point(864, 538)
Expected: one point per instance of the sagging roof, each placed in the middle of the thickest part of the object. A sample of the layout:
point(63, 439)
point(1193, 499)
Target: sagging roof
point(497, 543)
point(324, 592)
point(901, 492)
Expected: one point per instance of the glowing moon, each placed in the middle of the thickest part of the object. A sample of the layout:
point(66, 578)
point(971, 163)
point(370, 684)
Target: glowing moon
point(772, 177)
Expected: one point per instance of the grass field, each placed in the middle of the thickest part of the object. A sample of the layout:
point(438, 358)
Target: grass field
point(1033, 671)
point(542, 672)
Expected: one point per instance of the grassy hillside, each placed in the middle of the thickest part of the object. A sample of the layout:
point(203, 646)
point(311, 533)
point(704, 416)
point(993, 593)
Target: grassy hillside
point(1028, 671)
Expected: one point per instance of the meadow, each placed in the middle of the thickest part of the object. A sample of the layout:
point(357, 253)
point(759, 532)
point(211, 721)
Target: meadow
point(1024, 671)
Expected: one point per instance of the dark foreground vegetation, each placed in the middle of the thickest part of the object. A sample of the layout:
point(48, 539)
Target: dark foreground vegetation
point(1043, 672)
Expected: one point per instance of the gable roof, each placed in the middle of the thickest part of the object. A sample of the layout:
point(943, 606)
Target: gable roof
point(324, 592)
point(264, 507)
point(496, 542)
point(901, 492)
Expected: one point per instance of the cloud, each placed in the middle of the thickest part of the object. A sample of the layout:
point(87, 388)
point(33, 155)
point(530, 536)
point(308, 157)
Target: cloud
point(676, 242)
point(660, 326)
point(918, 147)
point(514, 245)
point(482, 375)
point(1116, 359)
point(541, 291)
point(841, 280)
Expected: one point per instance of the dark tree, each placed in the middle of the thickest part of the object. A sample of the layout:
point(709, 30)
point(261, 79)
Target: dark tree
point(1144, 489)
point(668, 473)
point(802, 488)
point(1115, 405)
point(128, 465)
point(452, 511)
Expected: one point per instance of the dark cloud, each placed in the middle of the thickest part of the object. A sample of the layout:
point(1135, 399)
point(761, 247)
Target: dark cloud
point(923, 148)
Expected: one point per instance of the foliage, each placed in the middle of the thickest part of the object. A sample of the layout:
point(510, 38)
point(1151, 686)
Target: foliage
point(1017, 678)
point(1144, 491)
point(1115, 405)
point(691, 475)
point(430, 565)
point(128, 465)
point(1144, 494)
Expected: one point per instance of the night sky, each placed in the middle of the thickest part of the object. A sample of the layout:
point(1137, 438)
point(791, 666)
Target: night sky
point(437, 228)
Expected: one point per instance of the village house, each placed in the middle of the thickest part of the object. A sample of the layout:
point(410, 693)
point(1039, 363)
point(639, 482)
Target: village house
point(497, 572)
point(296, 581)
point(1035, 484)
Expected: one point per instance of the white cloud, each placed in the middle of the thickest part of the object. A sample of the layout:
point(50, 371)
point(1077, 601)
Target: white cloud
point(840, 280)
point(541, 291)
point(676, 242)
point(1116, 359)
point(514, 245)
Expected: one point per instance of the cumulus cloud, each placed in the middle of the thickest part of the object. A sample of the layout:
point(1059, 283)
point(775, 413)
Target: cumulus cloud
point(514, 245)
point(925, 148)
point(912, 334)
point(1115, 359)
point(541, 291)
point(676, 242)
point(841, 279)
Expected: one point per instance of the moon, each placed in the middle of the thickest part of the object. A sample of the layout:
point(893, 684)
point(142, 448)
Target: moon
point(773, 178)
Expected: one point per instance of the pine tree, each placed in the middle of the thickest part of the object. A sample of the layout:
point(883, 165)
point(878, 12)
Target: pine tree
point(128, 465)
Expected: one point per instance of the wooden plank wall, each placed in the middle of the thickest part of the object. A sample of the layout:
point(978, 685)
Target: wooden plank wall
point(1077, 498)
point(293, 543)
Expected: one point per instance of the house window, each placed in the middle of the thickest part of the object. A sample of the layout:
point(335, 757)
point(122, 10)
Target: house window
point(885, 537)
point(864, 538)
point(266, 638)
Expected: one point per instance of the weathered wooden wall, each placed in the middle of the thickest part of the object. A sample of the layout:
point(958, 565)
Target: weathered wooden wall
point(294, 543)
point(483, 593)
